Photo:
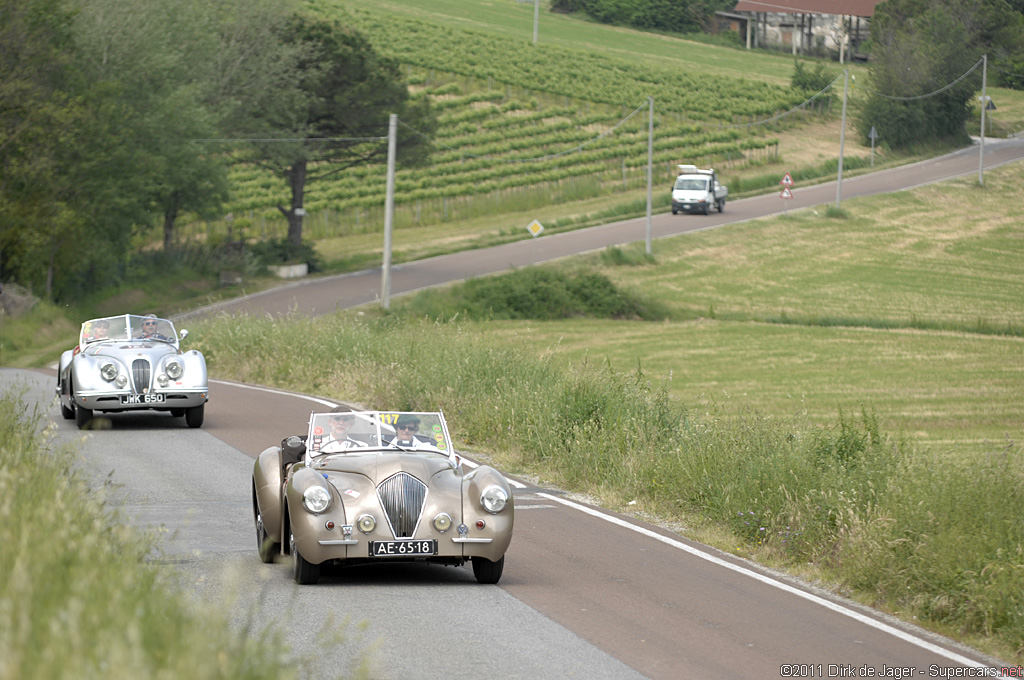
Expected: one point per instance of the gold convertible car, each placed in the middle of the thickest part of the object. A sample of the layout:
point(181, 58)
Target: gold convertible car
point(365, 487)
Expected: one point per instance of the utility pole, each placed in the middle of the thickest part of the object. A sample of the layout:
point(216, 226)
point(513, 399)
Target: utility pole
point(536, 18)
point(984, 104)
point(389, 212)
point(842, 138)
point(650, 165)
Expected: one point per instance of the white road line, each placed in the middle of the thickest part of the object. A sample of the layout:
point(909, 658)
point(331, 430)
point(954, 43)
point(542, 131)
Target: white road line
point(903, 635)
point(318, 400)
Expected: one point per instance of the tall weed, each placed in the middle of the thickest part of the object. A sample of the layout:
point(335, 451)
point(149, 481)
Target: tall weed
point(77, 599)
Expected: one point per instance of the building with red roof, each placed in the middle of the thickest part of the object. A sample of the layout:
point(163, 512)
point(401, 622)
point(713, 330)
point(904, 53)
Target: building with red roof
point(817, 27)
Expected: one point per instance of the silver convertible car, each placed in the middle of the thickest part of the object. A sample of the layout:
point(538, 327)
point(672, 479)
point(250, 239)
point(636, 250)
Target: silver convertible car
point(129, 362)
point(368, 487)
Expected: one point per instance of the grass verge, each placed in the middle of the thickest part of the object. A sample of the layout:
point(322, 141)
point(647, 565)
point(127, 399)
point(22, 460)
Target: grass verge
point(78, 598)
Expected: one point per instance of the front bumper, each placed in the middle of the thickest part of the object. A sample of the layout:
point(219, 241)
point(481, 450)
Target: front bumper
point(112, 400)
point(690, 206)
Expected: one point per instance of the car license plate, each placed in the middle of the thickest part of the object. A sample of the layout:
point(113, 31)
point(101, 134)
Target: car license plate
point(142, 398)
point(403, 548)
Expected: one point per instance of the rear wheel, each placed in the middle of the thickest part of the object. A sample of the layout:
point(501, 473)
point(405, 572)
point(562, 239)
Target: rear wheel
point(194, 416)
point(721, 205)
point(487, 571)
point(305, 574)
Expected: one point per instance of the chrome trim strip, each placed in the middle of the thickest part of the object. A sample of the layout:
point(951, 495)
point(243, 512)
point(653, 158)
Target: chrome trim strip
point(472, 540)
point(342, 541)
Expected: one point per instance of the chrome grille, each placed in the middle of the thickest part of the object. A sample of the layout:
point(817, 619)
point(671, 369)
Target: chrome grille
point(140, 375)
point(402, 497)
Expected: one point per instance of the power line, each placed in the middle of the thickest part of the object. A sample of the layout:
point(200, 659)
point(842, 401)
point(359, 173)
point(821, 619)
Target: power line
point(930, 94)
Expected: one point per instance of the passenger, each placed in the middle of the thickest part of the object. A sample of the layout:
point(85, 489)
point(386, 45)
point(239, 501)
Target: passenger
point(100, 330)
point(338, 440)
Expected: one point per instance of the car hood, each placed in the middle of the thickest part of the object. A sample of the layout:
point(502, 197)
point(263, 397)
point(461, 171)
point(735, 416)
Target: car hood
point(380, 465)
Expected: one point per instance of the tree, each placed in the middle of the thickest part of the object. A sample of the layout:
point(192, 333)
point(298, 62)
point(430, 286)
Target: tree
point(337, 112)
point(58, 145)
point(920, 48)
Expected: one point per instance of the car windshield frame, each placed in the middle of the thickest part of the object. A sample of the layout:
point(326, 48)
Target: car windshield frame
point(376, 432)
point(127, 328)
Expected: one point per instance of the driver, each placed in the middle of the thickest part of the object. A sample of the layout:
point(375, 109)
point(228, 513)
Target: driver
point(149, 325)
point(406, 428)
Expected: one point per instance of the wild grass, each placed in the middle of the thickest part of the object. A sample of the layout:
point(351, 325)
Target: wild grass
point(78, 598)
point(857, 502)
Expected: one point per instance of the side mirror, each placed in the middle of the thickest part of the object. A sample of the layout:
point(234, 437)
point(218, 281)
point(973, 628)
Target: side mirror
point(183, 333)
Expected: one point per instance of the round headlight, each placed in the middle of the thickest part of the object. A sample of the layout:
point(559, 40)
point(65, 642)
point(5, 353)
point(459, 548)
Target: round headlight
point(316, 499)
point(174, 370)
point(443, 522)
point(162, 379)
point(108, 371)
point(366, 523)
point(494, 499)
point(121, 381)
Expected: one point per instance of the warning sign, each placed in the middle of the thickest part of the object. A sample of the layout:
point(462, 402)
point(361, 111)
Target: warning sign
point(786, 181)
point(786, 193)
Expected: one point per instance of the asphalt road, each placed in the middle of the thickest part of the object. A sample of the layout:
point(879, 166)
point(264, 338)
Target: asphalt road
point(326, 294)
point(586, 593)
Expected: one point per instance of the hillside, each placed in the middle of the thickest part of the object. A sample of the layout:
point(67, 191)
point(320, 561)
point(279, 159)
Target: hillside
point(527, 126)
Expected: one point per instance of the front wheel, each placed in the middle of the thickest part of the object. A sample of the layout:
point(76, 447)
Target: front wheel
point(83, 417)
point(194, 416)
point(264, 544)
point(486, 571)
point(305, 574)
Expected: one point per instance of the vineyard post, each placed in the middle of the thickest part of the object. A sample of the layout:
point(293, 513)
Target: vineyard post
point(650, 165)
point(389, 211)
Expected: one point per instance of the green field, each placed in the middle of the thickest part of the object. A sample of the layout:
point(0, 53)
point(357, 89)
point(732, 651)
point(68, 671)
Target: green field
point(910, 308)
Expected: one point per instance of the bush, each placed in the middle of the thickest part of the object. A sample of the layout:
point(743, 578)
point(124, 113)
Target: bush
point(533, 293)
point(280, 251)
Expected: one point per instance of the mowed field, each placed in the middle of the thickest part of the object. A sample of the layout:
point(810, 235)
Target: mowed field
point(911, 308)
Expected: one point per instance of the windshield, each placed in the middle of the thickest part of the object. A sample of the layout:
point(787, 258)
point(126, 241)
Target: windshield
point(127, 327)
point(691, 184)
point(364, 431)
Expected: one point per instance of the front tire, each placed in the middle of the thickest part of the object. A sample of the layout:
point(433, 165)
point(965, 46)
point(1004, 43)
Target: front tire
point(194, 416)
point(264, 544)
point(83, 417)
point(305, 574)
point(488, 572)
